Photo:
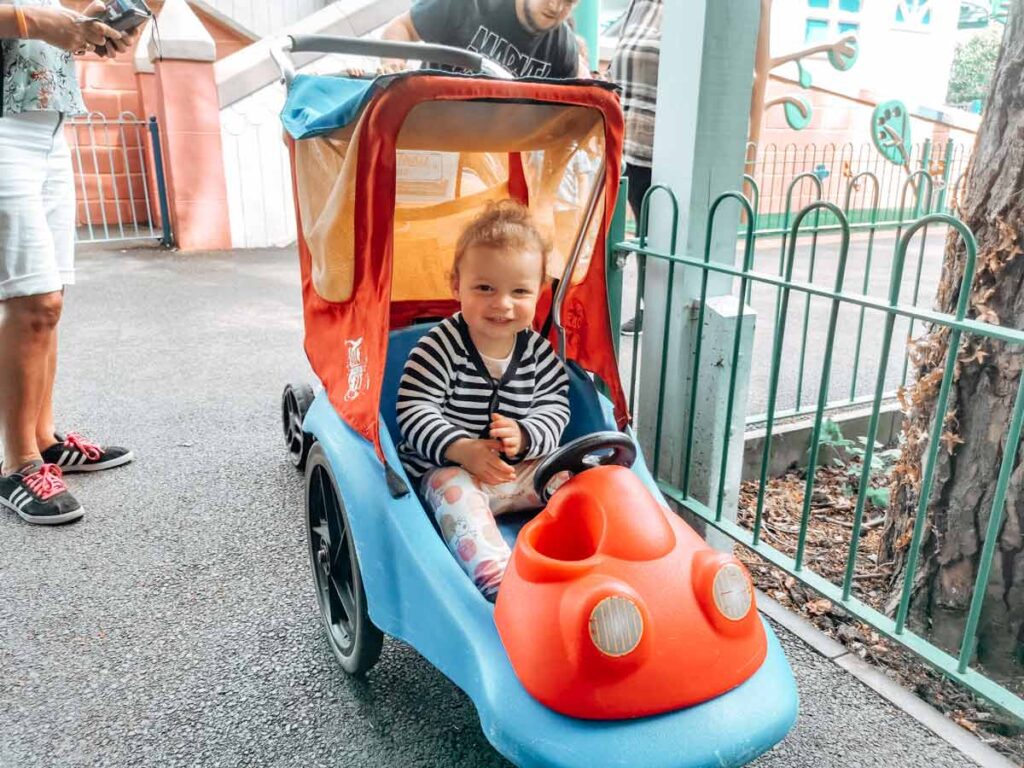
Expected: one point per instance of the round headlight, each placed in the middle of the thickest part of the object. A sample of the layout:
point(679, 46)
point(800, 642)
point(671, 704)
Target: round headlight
point(732, 593)
point(616, 626)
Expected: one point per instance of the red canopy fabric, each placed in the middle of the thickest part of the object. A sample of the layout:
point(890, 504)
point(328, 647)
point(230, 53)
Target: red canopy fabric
point(346, 341)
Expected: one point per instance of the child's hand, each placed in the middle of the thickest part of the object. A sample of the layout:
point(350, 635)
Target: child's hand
point(508, 432)
point(480, 458)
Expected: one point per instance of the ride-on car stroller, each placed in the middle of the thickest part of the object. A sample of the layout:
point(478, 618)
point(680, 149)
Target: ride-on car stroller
point(619, 637)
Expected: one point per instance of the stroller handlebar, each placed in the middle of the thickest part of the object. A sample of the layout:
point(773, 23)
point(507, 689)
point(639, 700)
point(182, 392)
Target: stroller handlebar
point(445, 55)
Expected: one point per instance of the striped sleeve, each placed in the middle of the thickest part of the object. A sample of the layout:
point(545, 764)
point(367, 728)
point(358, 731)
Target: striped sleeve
point(425, 382)
point(549, 412)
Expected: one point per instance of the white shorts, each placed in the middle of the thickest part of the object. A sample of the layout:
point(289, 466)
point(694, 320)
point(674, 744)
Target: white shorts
point(37, 205)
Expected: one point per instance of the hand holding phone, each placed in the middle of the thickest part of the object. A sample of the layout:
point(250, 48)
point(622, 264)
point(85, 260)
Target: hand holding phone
point(124, 16)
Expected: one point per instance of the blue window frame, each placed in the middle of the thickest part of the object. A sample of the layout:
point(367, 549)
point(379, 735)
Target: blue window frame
point(828, 19)
point(914, 13)
point(816, 31)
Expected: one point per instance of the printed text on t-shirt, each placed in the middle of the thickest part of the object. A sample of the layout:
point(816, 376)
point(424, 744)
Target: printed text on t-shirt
point(495, 47)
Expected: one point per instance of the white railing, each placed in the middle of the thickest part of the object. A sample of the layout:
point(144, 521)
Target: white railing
point(258, 17)
point(256, 165)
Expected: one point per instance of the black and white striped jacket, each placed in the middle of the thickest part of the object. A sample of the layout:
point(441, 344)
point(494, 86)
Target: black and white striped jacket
point(447, 394)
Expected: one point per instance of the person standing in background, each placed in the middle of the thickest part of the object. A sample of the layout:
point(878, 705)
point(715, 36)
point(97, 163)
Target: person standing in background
point(38, 91)
point(634, 68)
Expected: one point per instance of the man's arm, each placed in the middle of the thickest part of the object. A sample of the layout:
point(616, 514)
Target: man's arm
point(402, 29)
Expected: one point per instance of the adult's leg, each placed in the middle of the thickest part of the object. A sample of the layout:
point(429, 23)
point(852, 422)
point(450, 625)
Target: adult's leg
point(30, 275)
point(28, 331)
point(45, 428)
point(59, 204)
point(639, 177)
point(639, 182)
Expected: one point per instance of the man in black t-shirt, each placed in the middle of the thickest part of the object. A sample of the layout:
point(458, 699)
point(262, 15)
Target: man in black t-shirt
point(530, 38)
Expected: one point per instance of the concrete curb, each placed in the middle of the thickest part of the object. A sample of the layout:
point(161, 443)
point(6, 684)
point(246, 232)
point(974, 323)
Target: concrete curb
point(959, 738)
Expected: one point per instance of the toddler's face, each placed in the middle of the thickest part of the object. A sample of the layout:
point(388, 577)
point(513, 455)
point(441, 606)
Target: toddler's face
point(498, 291)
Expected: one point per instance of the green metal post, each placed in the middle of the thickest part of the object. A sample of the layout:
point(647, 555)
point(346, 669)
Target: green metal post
point(947, 170)
point(615, 260)
point(588, 26)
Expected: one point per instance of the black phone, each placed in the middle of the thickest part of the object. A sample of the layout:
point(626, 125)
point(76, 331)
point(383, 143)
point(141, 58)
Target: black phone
point(124, 16)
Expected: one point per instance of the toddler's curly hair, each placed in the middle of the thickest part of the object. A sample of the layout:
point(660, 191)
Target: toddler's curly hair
point(505, 225)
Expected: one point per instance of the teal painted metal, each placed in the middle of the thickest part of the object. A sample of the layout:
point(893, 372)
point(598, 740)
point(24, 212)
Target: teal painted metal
point(826, 369)
point(666, 335)
point(957, 668)
point(947, 169)
point(642, 233)
point(995, 521)
point(751, 203)
point(890, 131)
point(937, 658)
point(966, 325)
point(615, 260)
point(922, 205)
point(588, 26)
point(773, 167)
point(876, 191)
point(942, 404)
point(161, 183)
point(861, 198)
point(750, 211)
point(699, 339)
point(816, 183)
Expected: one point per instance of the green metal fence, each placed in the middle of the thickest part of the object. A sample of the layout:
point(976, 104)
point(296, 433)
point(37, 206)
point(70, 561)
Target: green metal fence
point(868, 187)
point(874, 225)
point(839, 299)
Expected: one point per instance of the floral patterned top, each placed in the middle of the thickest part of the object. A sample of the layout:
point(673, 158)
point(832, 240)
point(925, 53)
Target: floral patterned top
point(36, 76)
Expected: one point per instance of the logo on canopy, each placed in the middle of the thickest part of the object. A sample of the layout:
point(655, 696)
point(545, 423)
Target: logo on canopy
point(358, 380)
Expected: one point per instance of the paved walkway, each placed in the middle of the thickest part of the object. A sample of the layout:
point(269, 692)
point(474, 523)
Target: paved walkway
point(176, 624)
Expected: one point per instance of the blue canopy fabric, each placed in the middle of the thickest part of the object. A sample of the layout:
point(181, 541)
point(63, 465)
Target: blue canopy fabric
point(318, 104)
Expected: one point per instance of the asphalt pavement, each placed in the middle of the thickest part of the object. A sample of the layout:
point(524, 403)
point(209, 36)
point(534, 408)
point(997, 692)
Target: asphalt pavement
point(176, 625)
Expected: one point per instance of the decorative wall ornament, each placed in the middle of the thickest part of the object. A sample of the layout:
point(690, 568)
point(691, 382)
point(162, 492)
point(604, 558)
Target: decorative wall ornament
point(842, 55)
point(890, 131)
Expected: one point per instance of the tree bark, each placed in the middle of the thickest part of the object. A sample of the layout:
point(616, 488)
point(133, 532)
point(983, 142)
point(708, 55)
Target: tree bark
point(982, 398)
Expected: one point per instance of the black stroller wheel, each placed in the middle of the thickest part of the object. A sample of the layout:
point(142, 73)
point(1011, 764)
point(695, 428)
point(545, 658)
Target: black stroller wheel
point(295, 401)
point(355, 640)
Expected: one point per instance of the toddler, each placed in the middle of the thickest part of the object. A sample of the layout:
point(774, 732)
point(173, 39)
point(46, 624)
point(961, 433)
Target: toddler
point(483, 397)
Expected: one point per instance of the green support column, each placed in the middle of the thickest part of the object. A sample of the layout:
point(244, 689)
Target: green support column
point(699, 150)
point(588, 16)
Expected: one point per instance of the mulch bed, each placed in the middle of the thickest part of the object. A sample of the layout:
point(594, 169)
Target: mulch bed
point(826, 549)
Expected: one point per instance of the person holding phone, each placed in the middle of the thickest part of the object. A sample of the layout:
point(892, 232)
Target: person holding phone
point(38, 91)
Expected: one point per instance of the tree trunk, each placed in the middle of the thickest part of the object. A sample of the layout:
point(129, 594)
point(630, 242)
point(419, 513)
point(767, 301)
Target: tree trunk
point(982, 398)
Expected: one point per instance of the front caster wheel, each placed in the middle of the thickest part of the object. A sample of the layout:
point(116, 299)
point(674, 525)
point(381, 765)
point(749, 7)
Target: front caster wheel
point(295, 401)
point(355, 640)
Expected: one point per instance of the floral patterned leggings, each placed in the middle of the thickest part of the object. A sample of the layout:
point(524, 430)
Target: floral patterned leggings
point(465, 509)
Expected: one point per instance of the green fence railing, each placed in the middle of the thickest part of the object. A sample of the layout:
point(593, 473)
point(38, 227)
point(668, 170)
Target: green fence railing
point(838, 167)
point(959, 666)
point(917, 198)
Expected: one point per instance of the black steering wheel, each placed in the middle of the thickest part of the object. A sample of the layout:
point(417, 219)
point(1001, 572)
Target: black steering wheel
point(595, 450)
